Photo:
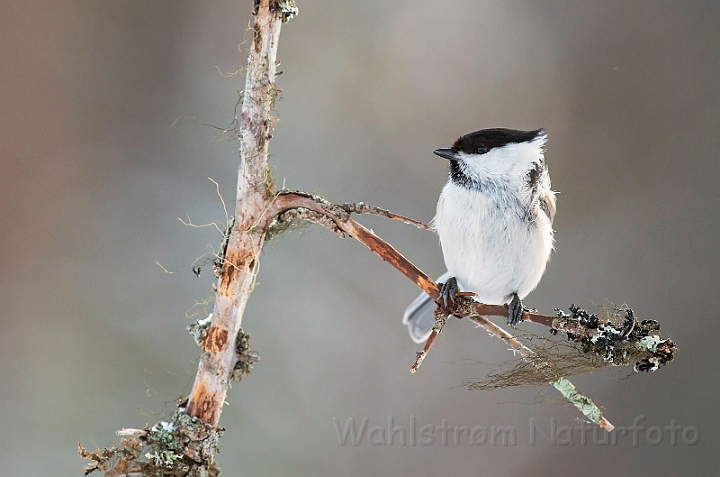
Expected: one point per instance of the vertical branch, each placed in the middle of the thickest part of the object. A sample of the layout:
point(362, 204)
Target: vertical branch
point(254, 193)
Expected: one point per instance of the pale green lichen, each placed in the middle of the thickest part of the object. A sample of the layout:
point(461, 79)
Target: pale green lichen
point(584, 404)
point(287, 9)
point(650, 343)
point(181, 446)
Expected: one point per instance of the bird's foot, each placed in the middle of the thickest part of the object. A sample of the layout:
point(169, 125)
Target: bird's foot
point(448, 290)
point(515, 310)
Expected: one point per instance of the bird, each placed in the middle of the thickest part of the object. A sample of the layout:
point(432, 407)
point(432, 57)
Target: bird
point(494, 218)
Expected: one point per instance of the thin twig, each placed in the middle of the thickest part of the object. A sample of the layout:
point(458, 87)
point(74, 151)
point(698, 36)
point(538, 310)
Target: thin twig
point(363, 208)
point(340, 217)
point(421, 355)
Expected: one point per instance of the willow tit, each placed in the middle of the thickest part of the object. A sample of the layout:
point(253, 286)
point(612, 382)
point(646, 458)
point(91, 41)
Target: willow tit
point(494, 219)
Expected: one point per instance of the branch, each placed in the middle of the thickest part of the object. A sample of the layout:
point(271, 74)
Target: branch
point(341, 218)
point(363, 208)
point(255, 190)
point(616, 344)
point(426, 349)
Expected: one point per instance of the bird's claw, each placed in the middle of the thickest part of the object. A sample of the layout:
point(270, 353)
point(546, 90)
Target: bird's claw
point(448, 290)
point(515, 310)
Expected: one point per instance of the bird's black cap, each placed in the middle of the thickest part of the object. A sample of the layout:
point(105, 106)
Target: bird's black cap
point(480, 142)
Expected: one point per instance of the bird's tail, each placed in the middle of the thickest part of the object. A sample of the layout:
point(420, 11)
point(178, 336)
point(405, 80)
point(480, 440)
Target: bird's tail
point(420, 315)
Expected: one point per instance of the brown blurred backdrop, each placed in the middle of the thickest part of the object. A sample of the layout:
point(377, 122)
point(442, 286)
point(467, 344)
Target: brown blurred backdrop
point(96, 167)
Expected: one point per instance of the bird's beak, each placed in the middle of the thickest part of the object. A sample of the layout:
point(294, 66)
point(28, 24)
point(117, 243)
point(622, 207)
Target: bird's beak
point(446, 154)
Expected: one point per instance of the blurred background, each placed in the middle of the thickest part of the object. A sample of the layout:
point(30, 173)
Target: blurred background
point(103, 148)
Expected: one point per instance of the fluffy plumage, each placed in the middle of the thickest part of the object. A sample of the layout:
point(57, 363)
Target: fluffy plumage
point(494, 219)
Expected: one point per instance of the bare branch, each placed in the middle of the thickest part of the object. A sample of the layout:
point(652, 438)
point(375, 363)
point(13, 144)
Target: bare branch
point(341, 218)
point(255, 191)
point(421, 355)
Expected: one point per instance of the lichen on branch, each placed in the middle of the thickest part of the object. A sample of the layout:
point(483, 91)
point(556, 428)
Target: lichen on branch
point(179, 446)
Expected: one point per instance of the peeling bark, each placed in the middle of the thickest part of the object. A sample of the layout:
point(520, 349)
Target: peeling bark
point(255, 191)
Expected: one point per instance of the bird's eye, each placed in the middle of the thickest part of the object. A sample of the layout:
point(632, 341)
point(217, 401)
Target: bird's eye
point(481, 149)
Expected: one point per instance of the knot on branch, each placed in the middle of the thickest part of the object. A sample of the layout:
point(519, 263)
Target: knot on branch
point(296, 219)
point(363, 208)
point(198, 330)
point(464, 305)
point(181, 446)
point(244, 357)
